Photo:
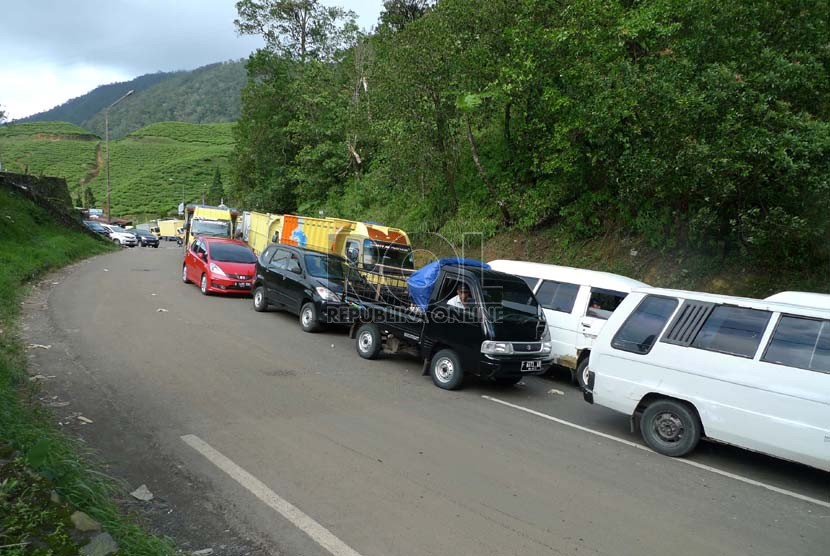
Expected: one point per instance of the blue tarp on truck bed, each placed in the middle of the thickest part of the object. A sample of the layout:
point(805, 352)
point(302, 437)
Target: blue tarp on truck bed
point(421, 282)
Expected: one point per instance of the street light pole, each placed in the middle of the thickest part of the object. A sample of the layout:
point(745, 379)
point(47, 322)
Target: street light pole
point(107, 134)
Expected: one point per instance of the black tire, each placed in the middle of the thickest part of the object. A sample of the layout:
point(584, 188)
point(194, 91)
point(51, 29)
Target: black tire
point(507, 380)
point(670, 428)
point(156, 246)
point(203, 285)
point(368, 341)
point(581, 374)
point(308, 317)
point(260, 300)
point(445, 370)
point(184, 274)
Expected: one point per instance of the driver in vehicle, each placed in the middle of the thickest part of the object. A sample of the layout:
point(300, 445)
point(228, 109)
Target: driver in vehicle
point(462, 298)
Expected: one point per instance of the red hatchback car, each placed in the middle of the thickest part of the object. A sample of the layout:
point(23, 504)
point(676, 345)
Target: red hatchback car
point(219, 265)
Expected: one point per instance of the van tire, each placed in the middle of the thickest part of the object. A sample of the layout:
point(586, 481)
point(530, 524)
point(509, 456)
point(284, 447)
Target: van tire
point(368, 341)
point(581, 374)
point(308, 317)
point(670, 427)
point(445, 370)
point(260, 300)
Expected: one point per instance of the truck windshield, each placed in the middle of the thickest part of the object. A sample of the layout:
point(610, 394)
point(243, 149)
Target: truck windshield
point(505, 300)
point(216, 228)
point(388, 254)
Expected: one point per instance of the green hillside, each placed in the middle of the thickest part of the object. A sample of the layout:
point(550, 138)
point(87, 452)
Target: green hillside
point(149, 169)
point(58, 149)
point(210, 94)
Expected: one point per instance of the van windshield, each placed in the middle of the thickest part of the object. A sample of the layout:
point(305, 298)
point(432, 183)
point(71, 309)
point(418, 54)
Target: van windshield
point(509, 300)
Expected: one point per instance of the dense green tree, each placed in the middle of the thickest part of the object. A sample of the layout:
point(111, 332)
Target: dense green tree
point(216, 193)
point(397, 14)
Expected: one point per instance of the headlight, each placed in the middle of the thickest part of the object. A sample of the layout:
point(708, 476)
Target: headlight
point(496, 348)
point(327, 294)
point(214, 268)
point(546, 335)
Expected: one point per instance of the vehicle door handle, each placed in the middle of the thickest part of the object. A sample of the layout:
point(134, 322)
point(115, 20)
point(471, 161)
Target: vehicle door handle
point(585, 325)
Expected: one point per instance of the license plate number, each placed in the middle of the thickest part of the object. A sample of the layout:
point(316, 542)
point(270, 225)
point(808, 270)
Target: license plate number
point(528, 366)
point(243, 284)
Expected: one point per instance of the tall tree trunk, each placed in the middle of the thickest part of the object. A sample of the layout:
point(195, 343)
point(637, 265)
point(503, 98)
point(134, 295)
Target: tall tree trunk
point(505, 213)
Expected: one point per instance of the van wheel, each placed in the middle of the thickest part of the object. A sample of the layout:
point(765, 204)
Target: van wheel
point(670, 428)
point(369, 342)
point(581, 374)
point(260, 302)
point(308, 318)
point(184, 274)
point(446, 370)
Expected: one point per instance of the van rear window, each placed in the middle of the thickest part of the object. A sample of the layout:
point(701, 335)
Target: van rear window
point(639, 332)
point(800, 342)
point(733, 330)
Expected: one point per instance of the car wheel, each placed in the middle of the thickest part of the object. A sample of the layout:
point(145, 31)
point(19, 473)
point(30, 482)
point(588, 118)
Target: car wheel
point(203, 285)
point(308, 318)
point(581, 374)
point(184, 274)
point(446, 370)
point(670, 428)
point(369, 341)
point(156, 246)
point(508, 380)
point(260, 301)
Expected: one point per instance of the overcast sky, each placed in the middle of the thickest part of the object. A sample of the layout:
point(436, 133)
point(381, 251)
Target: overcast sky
point(54, 50)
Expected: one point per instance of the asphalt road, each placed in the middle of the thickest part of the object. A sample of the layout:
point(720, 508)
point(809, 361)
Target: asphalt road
point(390, 464)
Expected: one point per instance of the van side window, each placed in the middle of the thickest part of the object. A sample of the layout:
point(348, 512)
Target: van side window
point(603, 303)
point(531, 282)
point(280, 260)
point(733, 330)
point(557, 296)
point(800, 342)
point(642, 327)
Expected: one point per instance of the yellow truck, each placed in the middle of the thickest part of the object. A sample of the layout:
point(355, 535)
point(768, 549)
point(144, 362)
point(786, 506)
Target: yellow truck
point(260, 229)
point(208, 221)
point(384, 253)
point(168, 229)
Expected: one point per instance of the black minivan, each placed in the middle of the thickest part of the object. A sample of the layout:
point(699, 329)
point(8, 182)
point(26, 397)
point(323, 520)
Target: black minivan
point(302, 281)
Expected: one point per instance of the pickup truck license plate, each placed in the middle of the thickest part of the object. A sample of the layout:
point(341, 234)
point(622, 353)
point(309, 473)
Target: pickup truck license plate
point(528, 366)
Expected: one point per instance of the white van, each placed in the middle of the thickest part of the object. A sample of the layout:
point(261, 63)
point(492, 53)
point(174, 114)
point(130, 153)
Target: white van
point(576, 301)
point(748, 372)
point(805, 299)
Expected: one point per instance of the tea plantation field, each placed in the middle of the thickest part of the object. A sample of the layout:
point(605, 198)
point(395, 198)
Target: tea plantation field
point(151, 169)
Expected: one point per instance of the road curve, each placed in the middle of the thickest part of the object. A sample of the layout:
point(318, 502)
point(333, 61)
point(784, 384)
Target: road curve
point(386, 462)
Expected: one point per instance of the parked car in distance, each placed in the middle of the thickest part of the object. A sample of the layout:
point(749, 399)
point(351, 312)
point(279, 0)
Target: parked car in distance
point(219, 265)
point(97, 228)
point(145, 238)
point(747, 372)
point(577, 302)
point(302, 281)
point(124, 238)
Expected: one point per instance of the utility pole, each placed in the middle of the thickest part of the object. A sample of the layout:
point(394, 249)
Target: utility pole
point(107, 133)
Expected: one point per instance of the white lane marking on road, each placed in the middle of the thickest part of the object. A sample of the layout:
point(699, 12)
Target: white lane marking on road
point(286, 509)
point(703, 466)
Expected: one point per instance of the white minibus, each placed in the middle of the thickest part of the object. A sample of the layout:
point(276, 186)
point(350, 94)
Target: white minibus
point(576, 302)
point(747, 372)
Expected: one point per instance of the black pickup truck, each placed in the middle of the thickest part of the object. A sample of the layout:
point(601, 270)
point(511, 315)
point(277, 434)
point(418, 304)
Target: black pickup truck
point(498, 331)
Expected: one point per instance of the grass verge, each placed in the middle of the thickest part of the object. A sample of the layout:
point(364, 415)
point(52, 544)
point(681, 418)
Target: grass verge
point(37, 461)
